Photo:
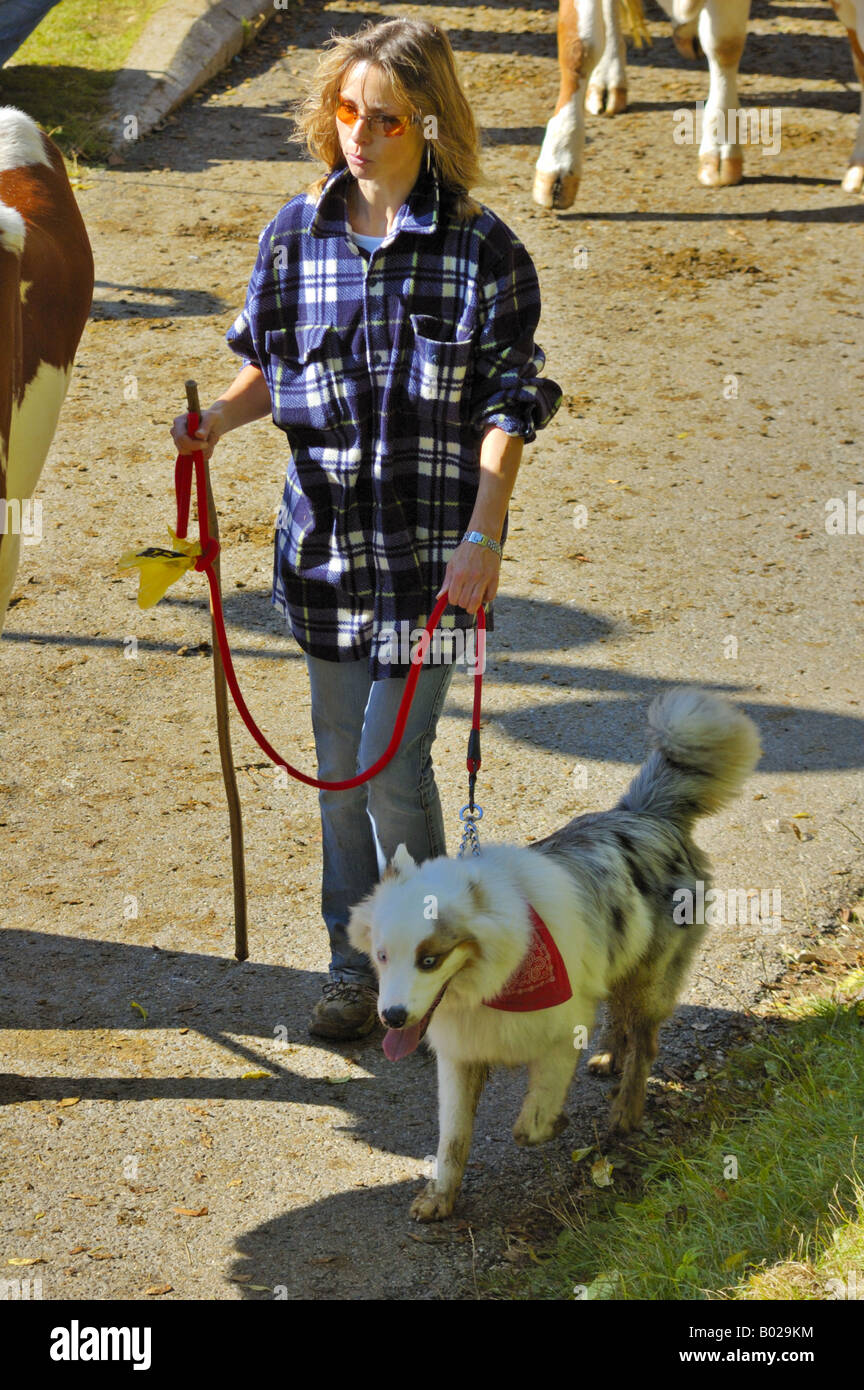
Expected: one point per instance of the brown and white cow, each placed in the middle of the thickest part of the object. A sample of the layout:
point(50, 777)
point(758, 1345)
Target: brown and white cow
point(46, 286)
point(592, 59)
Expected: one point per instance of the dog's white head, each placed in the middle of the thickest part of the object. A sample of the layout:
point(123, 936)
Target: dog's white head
point(418, 927)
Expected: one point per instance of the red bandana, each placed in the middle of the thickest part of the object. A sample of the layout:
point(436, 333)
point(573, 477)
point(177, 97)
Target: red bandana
point(540, 981)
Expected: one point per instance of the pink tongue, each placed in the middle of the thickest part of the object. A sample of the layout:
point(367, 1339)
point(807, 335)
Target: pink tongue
point(398, 1042)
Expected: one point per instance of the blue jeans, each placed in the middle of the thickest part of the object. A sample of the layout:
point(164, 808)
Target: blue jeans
point(353, 718)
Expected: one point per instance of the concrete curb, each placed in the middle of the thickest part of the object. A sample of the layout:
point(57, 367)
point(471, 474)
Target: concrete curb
point(185, 44)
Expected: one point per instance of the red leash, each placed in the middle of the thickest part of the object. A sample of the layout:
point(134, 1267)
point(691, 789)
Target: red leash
point(204, 562)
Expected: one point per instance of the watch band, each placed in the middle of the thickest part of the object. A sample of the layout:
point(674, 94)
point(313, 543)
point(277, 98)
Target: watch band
point(477, 538)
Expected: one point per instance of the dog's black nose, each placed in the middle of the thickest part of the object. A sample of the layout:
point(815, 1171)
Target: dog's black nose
point(395, 1018)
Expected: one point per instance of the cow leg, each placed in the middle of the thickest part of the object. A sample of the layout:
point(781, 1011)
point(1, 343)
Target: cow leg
point(607, 90)
point(685, 22)
point(31, 430)
point(853, 181)
point(10, 548)
point(581, 38)
point(722, 33)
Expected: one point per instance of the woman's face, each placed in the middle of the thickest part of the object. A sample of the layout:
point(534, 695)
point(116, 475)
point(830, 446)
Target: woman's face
point(382, 158)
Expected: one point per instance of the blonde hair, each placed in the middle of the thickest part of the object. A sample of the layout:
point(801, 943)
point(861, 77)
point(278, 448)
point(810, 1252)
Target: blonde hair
point(417, 58)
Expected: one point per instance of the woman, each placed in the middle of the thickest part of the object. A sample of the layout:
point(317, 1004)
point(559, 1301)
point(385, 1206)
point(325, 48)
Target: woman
point(389, 327)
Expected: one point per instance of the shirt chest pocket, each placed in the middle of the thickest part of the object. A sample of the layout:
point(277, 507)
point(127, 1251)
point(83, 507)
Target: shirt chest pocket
point(440, 368)
point(315, 382)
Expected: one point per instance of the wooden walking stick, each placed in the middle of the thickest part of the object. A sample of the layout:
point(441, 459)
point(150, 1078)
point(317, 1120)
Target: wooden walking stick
point(238, 864)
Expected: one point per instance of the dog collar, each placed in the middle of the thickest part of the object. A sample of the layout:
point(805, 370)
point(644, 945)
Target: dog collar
point(540, 981)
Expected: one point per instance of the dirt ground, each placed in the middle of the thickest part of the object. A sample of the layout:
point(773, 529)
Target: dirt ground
point(709, 348)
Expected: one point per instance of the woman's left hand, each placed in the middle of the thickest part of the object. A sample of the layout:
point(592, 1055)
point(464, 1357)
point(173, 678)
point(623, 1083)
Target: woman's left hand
point(471, 576)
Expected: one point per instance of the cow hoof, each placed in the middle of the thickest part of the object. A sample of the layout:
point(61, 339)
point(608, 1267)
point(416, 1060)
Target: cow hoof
point(709, 170)
point(555, 190)
point(600, 101)
point(731, 170)
point(717, 172)
point(853, 180)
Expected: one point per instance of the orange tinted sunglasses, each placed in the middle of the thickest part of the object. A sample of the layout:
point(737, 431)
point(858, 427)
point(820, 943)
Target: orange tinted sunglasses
point(347, 113)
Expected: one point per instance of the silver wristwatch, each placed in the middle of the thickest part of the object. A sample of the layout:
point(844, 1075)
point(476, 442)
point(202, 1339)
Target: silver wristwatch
point(477, 538)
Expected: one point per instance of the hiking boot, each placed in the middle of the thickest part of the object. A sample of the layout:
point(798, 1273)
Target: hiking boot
point(345, 1010)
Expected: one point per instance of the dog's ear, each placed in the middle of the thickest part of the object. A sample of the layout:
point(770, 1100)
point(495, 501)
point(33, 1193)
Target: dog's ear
point(360, 927)
point(400, 865)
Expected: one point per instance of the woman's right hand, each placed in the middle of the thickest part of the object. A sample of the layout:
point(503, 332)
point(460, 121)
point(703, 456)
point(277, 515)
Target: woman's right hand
point(205, 438)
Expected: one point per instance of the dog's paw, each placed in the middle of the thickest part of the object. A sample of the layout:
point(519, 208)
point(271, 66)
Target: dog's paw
point(626, 1113)
point(603, 1064)
point(432, 1205)
point(530, 1130)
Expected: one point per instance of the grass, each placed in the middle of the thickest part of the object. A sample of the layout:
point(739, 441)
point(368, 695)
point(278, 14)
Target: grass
point(766, 1201)
point(63, 73)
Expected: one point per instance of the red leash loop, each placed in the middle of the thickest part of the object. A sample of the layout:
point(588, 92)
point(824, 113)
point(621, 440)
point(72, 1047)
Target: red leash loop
point(209, 551)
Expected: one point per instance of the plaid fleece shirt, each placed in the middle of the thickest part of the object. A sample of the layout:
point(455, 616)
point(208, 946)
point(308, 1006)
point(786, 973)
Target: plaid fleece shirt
point(385, 371)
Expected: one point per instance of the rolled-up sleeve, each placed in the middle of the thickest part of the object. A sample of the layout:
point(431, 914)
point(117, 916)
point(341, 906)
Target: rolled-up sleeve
point(508, 390)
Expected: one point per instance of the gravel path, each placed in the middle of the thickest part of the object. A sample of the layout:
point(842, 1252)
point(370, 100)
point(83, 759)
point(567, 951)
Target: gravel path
point(140, 1155)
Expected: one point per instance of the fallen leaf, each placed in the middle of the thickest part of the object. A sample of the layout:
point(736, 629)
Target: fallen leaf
point(101, 1254)
point(139, 1008)
point(190, 1211)
point(601, 1173)
point(26, 1260)
point(69, 1100)
point(156, 1289)
point(257, 1075)
point(578, 1154)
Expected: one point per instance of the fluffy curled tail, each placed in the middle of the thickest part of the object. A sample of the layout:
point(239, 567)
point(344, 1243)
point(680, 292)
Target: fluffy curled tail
point(705, 748)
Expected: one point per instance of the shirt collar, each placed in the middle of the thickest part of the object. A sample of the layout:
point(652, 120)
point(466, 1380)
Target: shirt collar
point(419, 212)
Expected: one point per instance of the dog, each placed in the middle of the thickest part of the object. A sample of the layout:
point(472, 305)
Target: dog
point(503, 957)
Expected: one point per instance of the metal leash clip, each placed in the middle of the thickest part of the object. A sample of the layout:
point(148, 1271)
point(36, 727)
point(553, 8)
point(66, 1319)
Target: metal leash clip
point(469, 816)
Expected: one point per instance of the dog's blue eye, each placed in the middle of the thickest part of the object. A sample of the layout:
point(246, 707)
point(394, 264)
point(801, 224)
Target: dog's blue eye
point(382, 956)
point(428, 962)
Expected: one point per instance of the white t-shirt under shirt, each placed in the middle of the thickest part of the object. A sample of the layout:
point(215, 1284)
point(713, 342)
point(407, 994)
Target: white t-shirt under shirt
point(369, 243)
